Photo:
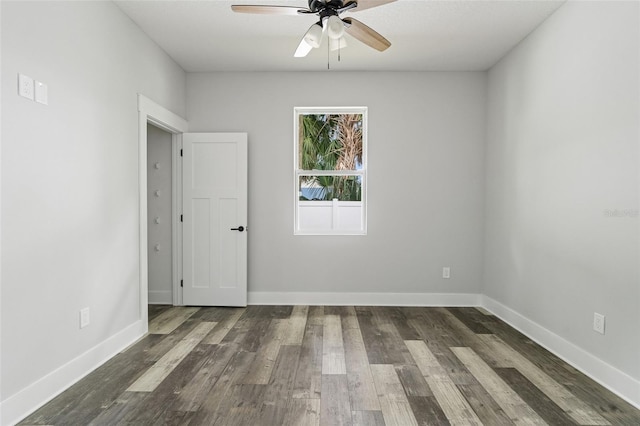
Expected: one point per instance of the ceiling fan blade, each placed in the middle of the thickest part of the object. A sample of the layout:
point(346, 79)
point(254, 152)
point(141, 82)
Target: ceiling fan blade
point(365, 34)
point(268, 10)
point(368, 4)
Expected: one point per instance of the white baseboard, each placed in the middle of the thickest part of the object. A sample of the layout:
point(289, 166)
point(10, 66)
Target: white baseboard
point(363, 299)
point(160, 297)
point(607, 375)
point(18, 406)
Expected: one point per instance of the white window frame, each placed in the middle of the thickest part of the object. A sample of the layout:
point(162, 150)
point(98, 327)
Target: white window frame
point(298, 173)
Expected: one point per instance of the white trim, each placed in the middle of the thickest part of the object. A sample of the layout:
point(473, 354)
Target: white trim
point(161, 117)
point(301, 172)
point(176, 210)
point(330, 110)
point(150, 112)
point(1, 228)
point(618, 382)
point(362, 299)
point(34, 396)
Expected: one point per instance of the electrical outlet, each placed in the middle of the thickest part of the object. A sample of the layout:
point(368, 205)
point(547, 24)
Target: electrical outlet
point(85, 318)
point(25, 86)
point(446, 272)
point(598, 322)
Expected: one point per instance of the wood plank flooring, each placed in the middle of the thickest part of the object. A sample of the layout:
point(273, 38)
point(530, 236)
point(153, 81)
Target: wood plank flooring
point(333, 365)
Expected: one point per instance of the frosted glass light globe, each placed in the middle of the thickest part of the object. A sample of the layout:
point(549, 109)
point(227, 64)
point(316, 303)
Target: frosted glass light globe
point(335, 27)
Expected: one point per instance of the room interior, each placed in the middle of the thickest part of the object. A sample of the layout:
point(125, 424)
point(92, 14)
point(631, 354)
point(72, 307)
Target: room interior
point(503, 143)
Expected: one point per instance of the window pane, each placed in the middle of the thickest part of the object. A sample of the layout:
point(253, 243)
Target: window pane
point(327, 188)
point(330, 164)
point(330, 142)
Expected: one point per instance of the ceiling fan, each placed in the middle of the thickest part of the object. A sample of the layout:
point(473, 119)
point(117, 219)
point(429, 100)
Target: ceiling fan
point(330, 23)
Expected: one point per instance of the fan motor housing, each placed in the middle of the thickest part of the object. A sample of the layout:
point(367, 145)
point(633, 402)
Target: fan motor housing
point(320, 5)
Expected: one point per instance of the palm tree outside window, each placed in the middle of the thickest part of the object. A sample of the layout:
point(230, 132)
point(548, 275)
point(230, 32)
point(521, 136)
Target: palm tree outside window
point(330, 170)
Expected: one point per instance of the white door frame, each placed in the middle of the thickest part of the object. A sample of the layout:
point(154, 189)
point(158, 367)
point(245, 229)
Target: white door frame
point(150, 112)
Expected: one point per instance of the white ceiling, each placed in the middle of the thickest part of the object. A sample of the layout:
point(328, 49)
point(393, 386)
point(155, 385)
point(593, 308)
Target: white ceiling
point(426, 35)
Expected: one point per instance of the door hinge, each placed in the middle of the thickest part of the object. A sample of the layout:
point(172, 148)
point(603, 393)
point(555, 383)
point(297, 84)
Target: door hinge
point(181, 153)
point(181, 218)
point(181, 283)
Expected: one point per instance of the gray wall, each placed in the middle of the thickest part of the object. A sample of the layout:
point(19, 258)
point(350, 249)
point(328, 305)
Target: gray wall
point(426, 153)
point(70, 217)
point(562, 157)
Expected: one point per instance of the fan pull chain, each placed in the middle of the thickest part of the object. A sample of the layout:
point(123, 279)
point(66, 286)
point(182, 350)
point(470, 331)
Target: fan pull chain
point(328, 54)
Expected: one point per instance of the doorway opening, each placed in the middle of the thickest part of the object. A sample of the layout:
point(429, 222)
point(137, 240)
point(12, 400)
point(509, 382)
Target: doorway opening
point(163, 120)
point(160, 199)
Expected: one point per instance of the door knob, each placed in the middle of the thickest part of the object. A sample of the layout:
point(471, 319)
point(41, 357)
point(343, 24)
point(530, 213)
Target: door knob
point(239, 229)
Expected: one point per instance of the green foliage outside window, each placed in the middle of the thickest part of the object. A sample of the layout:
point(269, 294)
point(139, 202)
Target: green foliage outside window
point(331, 142)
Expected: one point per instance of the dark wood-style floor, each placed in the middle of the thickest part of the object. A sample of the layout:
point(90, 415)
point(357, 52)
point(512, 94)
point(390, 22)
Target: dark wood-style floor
point(322, 365)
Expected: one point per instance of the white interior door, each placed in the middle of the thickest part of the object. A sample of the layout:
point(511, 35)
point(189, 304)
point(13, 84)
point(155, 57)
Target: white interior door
point(214, 219)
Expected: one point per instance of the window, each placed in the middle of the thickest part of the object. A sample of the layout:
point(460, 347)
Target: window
point(330, 164)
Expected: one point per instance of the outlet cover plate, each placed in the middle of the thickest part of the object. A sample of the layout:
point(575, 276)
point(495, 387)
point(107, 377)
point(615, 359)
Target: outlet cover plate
point(25, 86)
point(85, 318)
point(446, 272)
point(598, 322)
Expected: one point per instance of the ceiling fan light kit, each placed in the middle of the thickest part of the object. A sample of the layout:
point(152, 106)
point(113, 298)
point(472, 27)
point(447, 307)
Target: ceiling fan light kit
point(303, 49)
point(328, 12)
point(311, 40)
point(335, 27)
point(313, 37)
point(337, 44)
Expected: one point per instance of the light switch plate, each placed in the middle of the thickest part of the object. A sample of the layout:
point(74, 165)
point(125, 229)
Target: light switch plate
point(25, 86)
point(42, 93)
point(85, 318)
